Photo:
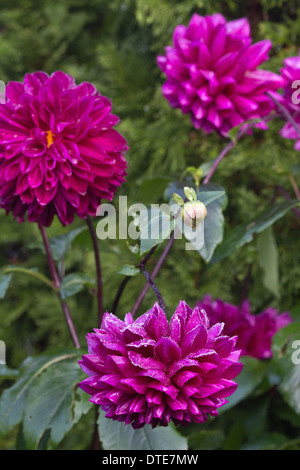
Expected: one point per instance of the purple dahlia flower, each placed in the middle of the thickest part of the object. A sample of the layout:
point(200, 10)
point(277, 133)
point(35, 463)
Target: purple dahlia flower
point(254, 332)
point(154, 371)
point(212, 73)
point(291, 97)
point(59, 153)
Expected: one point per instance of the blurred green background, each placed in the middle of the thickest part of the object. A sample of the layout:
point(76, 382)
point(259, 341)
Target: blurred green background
point(114, 45)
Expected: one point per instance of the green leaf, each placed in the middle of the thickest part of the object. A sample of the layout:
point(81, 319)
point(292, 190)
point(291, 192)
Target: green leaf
point(8, 373)
point(286, 363)
point(129, 270)
point(155, 229)
point(268, 260)
point(115, 435)
point(74, 283)
point(267, 441)
point(152, 190)
point(61, 244)
point(4, 283)
point(206, 439)
point(209, 196)
point(250, 377)
point(214, 221)
point(243, 234)
point(43, 397)
point(49, 403)
point(12, 400)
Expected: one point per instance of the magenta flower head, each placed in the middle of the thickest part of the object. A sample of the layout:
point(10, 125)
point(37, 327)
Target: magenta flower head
point(154, 371)
point(254, 332)
point(59, 153)
point(291, 97)
point(212, 73)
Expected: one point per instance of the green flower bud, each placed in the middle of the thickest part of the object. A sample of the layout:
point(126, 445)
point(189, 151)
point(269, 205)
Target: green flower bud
point(190, 193)
point(178, 199)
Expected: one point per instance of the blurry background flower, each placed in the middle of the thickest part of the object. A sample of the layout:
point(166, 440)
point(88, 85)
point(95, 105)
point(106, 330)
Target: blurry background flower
point(291, 73)
point(212, 73)
point(151, 371)
point(255, 332)
point(59, 153)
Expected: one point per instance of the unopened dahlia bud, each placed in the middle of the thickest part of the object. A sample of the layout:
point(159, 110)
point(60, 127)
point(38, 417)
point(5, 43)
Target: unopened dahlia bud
point(193, 213)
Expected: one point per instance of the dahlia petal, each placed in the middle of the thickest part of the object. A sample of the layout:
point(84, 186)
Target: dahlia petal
point(244, 105)
point(159, 375)
point(175, 328)
point(138, 384)
point(194, 340)
point(110, 379)
point(138, 404)
point(14, 92)
point(218, 43)
point(239, 27)
point(224, 63)
point(258, 52)
point(92, 363)
point(214, 117)
point(169, 390)
point(120, 364)
point(89, 385)
point(167, 351)
point(198, 110)
point(180, 403)
point(205, 57)
point(182, 364)
point(12, 171)
point(223, 103)
point(43, 196)
point(33, 148)
point(181, 378)
point(35, 177)
point(145, 362)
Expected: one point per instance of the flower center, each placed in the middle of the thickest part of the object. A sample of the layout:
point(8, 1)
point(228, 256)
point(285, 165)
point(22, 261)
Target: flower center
point(50, 138)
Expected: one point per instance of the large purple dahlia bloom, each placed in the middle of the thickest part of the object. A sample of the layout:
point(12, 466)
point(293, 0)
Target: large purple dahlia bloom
point(212, 73)
point(59, 153)
point(254, 332)
point(291, 97)
point(154, 371)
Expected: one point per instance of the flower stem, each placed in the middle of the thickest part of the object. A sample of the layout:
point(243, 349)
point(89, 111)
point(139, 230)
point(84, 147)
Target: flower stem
point(153, 274)
point(287, 197)
point(41, 277)
point(218, 160)
point(98, 269)
point(295, 186)
point(119, 294)
point(57, 284)
point(243, 130)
